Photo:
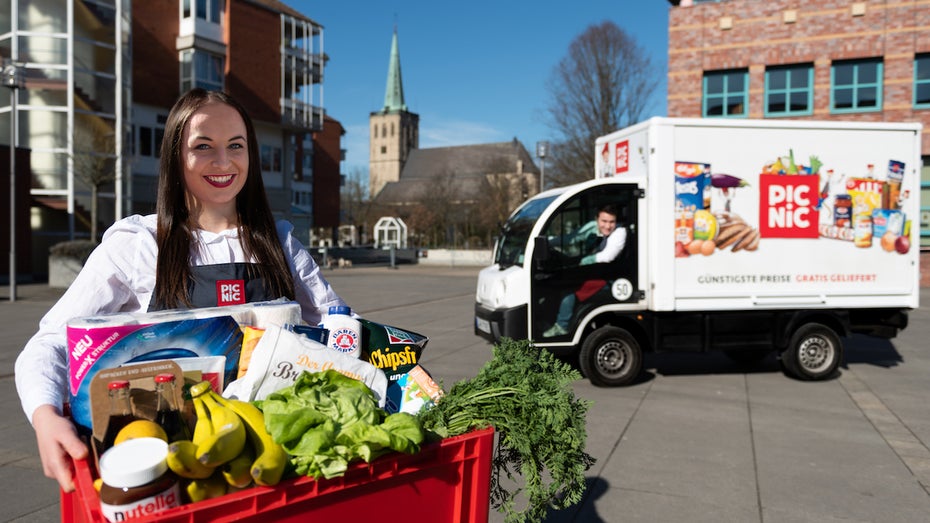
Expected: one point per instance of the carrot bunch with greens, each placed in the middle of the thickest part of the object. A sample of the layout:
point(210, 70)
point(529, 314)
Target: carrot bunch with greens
point(525, 394)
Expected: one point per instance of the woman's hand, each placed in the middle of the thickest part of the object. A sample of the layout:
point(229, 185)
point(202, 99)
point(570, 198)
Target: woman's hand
point(59, 445)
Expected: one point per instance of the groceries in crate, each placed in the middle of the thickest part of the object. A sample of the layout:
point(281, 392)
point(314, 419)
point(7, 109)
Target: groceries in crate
point(304, 409)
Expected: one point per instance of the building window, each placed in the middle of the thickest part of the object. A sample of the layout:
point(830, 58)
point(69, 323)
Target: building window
point(922, 81)
point(271, 158)
point(383, 149)
point(303, 199)
point(201, 69)
point(789, 90)
point(726, 93)
point(856, 86)
point(209, 10)
point(149, 141)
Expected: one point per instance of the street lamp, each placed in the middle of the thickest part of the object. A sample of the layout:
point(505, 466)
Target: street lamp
point(13, 78)
point(542, 149)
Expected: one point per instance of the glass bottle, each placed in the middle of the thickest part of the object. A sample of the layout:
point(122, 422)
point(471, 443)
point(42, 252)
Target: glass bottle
point(120, 411)
point(167, 413)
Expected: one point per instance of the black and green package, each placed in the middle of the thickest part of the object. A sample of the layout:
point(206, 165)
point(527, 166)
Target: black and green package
point(395, 351)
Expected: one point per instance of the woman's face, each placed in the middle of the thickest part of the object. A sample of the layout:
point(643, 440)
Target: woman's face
point(214, 156)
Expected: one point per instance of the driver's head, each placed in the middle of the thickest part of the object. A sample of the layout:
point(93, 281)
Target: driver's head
point(606, 220)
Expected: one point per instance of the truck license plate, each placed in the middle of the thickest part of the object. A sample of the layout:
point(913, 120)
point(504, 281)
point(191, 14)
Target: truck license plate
point(483, 325)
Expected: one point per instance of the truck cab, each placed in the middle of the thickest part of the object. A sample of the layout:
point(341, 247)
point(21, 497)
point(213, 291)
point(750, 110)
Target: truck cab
point(538, 261)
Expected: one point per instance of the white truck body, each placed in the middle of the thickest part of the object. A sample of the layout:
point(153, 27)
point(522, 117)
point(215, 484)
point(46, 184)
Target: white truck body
point(826, 215)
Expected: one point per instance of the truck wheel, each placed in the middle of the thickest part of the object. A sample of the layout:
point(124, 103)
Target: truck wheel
point(611, 357)
point(814, 353)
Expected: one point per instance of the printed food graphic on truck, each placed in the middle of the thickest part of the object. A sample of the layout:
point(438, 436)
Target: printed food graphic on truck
point(795, 201)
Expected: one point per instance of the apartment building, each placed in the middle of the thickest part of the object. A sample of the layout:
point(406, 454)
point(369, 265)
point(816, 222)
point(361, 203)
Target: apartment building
point(817, 59)
point(266, 55)
point(98, 79)
point(72, 108)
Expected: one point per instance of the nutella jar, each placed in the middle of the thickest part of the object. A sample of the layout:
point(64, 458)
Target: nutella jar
point(136, 480)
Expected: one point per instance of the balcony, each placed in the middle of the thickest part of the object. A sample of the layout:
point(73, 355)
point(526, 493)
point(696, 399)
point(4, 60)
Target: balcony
point(301, 116)
point(301, 64)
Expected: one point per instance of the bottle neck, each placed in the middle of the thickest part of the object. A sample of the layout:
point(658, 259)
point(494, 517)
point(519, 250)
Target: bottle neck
point(119, 402)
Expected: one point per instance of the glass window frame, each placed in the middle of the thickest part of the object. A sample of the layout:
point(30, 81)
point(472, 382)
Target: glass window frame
point(195, 67)
point(921, 64)
point(725, 95)
point(788, 91)
point(856, 86)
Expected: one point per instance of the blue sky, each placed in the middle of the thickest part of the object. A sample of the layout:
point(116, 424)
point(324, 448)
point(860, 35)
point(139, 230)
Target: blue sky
point(474, 71)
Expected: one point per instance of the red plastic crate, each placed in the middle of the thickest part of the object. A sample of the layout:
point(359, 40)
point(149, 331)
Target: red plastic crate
point(448, 481)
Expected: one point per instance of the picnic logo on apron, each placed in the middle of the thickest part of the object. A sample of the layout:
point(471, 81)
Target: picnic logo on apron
point(230, 292)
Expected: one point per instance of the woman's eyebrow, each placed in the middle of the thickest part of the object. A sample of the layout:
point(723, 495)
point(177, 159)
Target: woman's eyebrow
point(207, 138)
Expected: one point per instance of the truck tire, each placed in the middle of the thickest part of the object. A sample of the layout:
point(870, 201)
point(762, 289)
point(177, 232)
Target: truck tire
point(611, 357)
point(814, 353)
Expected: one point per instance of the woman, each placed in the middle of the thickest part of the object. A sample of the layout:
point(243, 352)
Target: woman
point(212, 226)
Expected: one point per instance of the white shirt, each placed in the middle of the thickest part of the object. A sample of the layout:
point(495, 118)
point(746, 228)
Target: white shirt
point(615, 243)
point(119, 276)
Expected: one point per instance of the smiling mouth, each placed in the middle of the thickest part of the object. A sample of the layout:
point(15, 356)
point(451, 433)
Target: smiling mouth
point(220, 180)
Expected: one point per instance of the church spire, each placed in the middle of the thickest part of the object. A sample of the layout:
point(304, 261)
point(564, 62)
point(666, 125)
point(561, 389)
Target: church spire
point(394, 94)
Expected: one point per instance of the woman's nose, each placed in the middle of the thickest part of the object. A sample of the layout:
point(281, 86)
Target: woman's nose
point(221, 158)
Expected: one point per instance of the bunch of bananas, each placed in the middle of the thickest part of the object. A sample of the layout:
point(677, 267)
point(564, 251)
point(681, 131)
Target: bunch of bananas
point(230, 447)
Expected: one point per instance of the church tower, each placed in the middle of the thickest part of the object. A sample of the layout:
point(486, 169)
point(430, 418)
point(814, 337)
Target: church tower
point(393, 131)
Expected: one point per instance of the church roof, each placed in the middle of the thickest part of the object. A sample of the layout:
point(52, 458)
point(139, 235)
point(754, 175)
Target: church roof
point(466, 165)
point(394, 93)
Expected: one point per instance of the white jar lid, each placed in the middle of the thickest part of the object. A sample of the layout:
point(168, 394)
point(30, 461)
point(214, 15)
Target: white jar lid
point(134, 462)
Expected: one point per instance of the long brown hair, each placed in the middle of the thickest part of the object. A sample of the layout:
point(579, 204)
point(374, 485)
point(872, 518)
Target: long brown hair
point(257, 230)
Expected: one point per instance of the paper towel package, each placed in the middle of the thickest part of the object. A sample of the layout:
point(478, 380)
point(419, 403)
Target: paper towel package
point(107, 341)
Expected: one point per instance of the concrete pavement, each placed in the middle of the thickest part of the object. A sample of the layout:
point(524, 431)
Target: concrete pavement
point(697, 439)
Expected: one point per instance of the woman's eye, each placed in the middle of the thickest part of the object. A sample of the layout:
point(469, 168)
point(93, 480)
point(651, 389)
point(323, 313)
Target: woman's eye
point(201, 146)
point(236, 146)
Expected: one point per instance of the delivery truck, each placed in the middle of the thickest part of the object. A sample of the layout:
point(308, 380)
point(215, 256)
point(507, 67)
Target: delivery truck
point(743, 236)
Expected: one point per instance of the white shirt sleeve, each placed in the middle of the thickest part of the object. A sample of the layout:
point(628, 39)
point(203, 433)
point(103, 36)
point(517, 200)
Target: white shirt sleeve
point(107, 283)
point(312, 291)
point(615, 243)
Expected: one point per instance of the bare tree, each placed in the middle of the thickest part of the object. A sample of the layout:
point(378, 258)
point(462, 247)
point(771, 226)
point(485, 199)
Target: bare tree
point(94, 165)
point(355, 204)
point(604, 83)
point(434, 209)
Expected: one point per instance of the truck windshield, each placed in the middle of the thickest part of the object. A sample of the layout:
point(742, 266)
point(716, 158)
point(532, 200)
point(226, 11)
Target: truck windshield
point(515, 233)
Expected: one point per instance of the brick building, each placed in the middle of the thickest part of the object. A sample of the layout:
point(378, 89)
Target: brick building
point(270, 58)
point(818, 59)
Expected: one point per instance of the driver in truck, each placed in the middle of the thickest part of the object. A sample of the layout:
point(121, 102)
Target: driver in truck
point(607, 246)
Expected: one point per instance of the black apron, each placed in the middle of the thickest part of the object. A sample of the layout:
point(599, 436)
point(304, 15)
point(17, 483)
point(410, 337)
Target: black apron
point(222, 284)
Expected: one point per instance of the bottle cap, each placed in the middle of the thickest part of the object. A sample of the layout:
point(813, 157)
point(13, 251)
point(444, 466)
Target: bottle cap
point(340, 309)
point(118, 384)
point(134, 462)
point(164, 378)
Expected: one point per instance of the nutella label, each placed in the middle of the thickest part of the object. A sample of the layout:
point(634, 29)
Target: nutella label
point(168, 498)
